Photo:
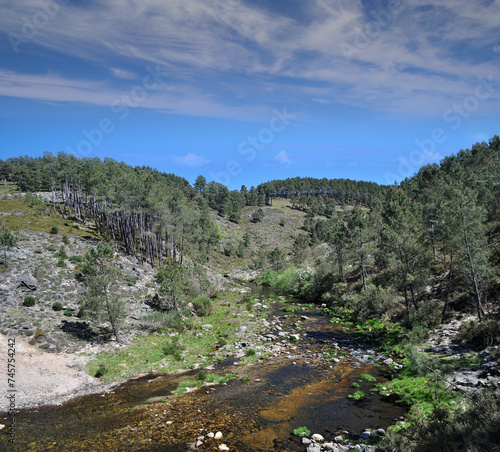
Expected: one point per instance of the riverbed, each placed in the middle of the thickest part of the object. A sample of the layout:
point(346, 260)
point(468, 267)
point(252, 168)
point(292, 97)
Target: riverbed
point(306, 384)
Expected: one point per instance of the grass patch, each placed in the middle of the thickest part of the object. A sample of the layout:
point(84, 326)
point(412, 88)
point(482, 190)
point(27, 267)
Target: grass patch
point(147, 353)
point(367, 377)
point(357, 396)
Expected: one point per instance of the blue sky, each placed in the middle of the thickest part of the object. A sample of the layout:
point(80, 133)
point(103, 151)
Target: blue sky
point(247, 91)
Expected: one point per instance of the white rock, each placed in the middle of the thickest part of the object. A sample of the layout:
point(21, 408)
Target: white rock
point(218, 435)
point(199, 443)
point(306, 441)
point(2, 426)
point(223, 447)
point(317, 437)
point(210, 435)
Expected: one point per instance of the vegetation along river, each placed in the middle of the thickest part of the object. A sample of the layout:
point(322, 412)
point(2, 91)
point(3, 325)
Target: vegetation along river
point(303, 386)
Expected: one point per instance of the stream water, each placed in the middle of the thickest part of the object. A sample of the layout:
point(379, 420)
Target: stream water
point(298, 387)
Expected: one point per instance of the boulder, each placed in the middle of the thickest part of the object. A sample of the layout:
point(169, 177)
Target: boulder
point(29, 281)
point(317, 437)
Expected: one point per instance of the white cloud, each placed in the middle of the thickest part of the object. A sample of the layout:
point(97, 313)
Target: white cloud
point(192, 160)
point(282, 157)
point(211, 48)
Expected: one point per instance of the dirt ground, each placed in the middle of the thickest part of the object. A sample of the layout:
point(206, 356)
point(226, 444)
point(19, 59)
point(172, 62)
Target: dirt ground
point(43, 378)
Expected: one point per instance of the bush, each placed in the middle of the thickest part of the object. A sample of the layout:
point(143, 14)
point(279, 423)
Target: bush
point(202, 305)
point(76, 259)
point(57, 306)
point(61, 253)
point(61, 263)
point(65, 239)
point(157, 321)
point(50, 248)
point(301, 432)
point(287, 282)
point(173, 348)
point(480, 334)
point(54, 229)
point(68, 313)
point(357, 396)
point(29, 301)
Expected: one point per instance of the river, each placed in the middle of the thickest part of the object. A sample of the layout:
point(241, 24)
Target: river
point(298, 387)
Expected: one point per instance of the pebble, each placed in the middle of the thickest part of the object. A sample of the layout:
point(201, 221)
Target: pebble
point(317, 437)
point(218, 435)
point(223, 447)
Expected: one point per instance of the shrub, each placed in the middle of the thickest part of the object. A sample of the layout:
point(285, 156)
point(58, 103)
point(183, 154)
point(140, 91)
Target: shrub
point(29, 301)
point(65, 239)
point(367, 377)
point(202, 375)
point(301, 432)
point(173, 348)
point(50, 248)
point(76, 259)
point(202, 305)
point(54, 229)
point(101, 371)
point(61, 253)
point(250, 352)
point(287, 282)
point(480, 334)
point(57, 306)
point(68, 313)
point(357, 396)
point(61, 263)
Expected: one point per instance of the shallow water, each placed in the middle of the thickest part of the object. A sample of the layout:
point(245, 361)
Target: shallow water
point(299, 388)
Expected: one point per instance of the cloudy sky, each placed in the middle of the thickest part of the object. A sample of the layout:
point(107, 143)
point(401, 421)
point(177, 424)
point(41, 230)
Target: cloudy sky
point(244, 91)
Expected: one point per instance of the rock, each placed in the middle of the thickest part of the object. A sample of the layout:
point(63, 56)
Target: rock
point(317, 437)
point(373, 435)
point(365, 434)
point(314, 448)
point(206, 327)
point(306, 441)
point(295, 337)
point(304, 317)
point(330, 446)
point(10, 301)
point(29, 281)
point(3, 288)
point(210, 435)
point(338, 439)
point(380, 432)
point(218, 435)
point(370, 449)
point(199, 443)
point(223, 447)
point(2, 426)
point(388, 361)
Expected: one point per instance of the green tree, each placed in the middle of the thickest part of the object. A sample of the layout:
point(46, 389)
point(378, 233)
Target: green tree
point(466, 234)
point(404, 244)
point(101, 280)
point(7, 240)
point(170, 279)
point(338, 238)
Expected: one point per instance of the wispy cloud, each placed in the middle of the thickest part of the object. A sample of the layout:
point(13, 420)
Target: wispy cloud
point(217, 52)
point(192, 160)
point(282, 157)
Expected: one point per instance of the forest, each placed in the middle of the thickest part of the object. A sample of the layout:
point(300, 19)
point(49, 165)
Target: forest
point(414, 254)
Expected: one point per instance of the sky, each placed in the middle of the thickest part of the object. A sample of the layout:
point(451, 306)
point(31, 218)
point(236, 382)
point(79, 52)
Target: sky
point(246, 91)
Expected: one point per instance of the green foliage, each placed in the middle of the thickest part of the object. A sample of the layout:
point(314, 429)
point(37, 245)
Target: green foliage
point(301, 432)
point(257, 215)
point(101, 278)
point(367, 377)
point(61, 253)
point(250, 352)
point(57, 306)
point(50, 248)
point(170, 278)
point(29, 301)
point(68, 313)
point(61, 263)
point(173, 348)
point(7, 240)
point(357, 396)
point(355, 385)
point(480, 334)
point(54, 230)
point(101, 371)
point(65, 239)
point(245, 378)
point(202, 305)
point(76, 259)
